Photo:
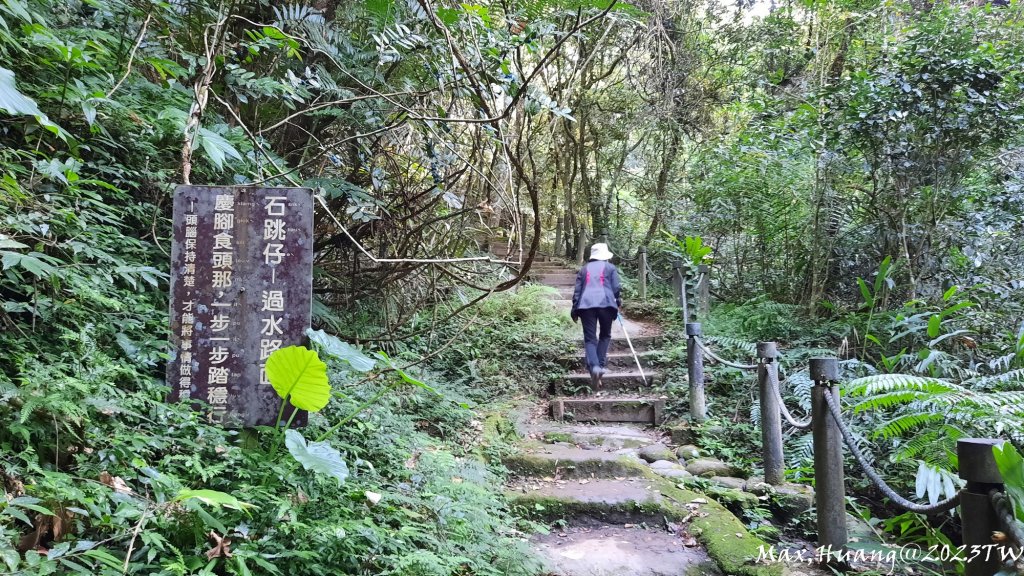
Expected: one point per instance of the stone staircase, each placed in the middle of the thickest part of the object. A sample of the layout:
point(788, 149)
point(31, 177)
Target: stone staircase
point(594, 464)
point(625, 395)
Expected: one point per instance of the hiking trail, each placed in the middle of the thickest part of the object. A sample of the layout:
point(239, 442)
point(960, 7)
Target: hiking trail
point(619, 494)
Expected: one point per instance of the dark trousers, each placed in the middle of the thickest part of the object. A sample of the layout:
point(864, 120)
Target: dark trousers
point(596, 344)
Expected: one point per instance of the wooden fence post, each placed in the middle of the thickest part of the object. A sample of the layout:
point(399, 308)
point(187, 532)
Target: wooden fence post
point(829, 491)
point(977, 516)
point(703, 291)
point(771, 418)
point(679, 286)
point(643, 272)
point(695, 369)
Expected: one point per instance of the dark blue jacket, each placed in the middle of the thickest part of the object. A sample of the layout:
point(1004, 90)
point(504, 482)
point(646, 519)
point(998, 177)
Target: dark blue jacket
point(597, 286)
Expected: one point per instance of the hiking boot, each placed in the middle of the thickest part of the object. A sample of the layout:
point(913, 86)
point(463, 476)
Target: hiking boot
point(595, 376)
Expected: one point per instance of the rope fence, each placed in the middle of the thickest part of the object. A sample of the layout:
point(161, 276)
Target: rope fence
point(876, 479)
point(711, 354)
point(986, 511)
point(773, 378)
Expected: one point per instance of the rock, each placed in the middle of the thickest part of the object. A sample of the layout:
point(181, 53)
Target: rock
point(668, 469)
point(729, 482)
point(659, 464)
point(656, 452)
point(679, 472)
point(792, 500)
point(758, 486)
point(683, 434)
point(708, 467)
point(687, 452)
point(734, 498)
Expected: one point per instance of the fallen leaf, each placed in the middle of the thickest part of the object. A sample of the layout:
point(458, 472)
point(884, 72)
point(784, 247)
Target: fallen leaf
point(412, 461)
point(221, 547)
point(115, 482)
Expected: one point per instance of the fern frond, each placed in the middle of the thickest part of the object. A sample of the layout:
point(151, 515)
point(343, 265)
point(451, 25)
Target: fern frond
point(902, 424)
point(888, 400)
point(881, 383)
point(799, 450)
point(735, 343)
point(992, 380)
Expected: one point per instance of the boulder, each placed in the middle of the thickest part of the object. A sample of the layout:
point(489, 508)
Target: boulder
point(655, 452)
point(660, 464)
point(708, 467)
point(758, 486)
point(792, 500)
point(687, 452)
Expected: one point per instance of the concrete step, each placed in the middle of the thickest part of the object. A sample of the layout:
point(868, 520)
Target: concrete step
point(564, 460)
point(617, 409)
point(581, 383)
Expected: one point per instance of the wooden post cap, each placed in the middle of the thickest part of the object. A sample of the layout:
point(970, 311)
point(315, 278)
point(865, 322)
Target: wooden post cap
point(825, 369)
point(767, 350)
point(976, 461)
point(693, 329)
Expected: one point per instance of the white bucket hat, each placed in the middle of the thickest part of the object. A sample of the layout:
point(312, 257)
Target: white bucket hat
point(600, 252)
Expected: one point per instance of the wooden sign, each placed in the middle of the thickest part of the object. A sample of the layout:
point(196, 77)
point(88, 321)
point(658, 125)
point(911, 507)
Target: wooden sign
point(241, 287)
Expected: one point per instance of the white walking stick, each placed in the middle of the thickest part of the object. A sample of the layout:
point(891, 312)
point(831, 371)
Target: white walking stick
point(635, 357)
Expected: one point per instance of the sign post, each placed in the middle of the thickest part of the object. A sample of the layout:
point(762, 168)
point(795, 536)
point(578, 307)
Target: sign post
point(241, 287)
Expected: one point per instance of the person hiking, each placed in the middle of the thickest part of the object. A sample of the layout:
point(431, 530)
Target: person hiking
point(596, 300)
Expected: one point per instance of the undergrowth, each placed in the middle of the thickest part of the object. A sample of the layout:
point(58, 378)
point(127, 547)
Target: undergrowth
point(98, 467)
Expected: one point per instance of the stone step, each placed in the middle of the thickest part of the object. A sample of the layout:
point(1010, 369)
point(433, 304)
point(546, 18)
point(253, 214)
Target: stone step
point(555, 280)
point(563, 460)
point(616, 360)
point(581, 383)
point(621, 409)
point(605, 437)
point(620, 345)
point(604, 550)
point(650, 501)
point(617, 501)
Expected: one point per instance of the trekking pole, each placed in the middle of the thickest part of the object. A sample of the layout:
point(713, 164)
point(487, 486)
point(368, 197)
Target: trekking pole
point(635, 357)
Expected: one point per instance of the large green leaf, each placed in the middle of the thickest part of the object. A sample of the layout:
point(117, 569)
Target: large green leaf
point(11, 100)
point(297, 373)
point(217, 148)
point(318, 457)
point(213, 498)
point(339, 350)
point(1011, 466)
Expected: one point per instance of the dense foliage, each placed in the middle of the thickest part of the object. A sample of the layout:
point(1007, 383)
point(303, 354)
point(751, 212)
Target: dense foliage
point(851, 171)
